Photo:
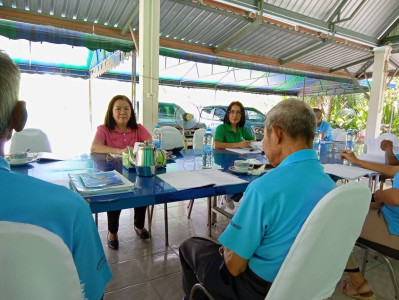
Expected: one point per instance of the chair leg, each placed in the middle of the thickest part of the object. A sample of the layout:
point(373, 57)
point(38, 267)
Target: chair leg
point(365, 258)
point(393, 277)
point(190, 208)
point(200, 287)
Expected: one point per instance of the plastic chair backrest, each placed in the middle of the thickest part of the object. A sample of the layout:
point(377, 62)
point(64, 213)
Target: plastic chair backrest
point(198, 138)
point(36, 264)
point(30, 138)
point(338, 132)
point(318, 256)
point(171, 138)
point(373, 145)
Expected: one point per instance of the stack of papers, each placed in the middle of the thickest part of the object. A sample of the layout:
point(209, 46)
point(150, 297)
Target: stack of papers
point(347, 172)
point(199, 178)
point(100, 183)
point(244, 150)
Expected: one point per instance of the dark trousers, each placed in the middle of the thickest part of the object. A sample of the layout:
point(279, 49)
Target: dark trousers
point(201, 261)
point(113, 219)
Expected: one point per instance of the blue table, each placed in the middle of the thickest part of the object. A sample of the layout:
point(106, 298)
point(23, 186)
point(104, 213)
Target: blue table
point(148, 190)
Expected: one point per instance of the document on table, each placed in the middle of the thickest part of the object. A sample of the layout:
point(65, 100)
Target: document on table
point(379, 159)
point(347, 172)
point(244, 150)
point(199, 178)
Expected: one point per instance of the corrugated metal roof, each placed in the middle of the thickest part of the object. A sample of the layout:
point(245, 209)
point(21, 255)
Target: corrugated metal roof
point(208, 26)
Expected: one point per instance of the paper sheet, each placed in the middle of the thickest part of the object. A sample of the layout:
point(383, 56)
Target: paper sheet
point(346, 172)
point(199, 178)
point(376, 158)
point(244, 150)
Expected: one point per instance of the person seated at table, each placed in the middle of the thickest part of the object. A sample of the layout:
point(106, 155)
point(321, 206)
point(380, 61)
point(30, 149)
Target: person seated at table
point(390, 157)
point(272, 212)
point(25, 199)
point(322, 126)
point(233, 134)
point(120, 130)
point(381, 225)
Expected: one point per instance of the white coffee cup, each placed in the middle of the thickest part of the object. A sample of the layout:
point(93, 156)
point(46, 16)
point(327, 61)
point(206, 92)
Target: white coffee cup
point(243, 165)
point(19, 156)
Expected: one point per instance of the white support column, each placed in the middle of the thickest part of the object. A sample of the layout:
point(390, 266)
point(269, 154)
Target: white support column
point(380, 71)
point(147, 95)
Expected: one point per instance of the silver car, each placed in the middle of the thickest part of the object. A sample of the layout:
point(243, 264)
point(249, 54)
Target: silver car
point(213, 116)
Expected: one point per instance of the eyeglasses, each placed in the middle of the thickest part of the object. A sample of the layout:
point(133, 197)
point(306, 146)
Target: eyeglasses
point(235, 112)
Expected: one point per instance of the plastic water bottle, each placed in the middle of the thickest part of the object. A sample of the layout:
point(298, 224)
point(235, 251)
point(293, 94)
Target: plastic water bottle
point(207, 160)
point(157, 137)
point(317, 140)
point(349, 140)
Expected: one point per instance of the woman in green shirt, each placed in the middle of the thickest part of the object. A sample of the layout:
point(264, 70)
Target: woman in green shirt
point(233, 134)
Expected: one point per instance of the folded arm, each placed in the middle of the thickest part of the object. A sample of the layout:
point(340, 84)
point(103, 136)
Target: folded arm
point(388, 196)
point(388, 171)
point(235, 263)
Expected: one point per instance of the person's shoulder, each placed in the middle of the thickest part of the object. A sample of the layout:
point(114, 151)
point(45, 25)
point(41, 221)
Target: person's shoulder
point(44, 189)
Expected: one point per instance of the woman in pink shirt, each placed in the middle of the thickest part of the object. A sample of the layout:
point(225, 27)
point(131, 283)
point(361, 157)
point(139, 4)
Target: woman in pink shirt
point(120, 130)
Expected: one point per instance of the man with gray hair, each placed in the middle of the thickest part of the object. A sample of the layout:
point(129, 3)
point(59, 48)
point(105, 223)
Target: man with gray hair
point(272, 212)
point(25, 199)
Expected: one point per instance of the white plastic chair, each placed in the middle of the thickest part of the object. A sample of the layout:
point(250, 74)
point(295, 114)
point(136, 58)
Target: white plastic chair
point(318, 256)
point(373, 145)
point(36, 264)
point(322, 248)
point(338, 132)
point(30, 138)
point(198, 138)
point(172, 139)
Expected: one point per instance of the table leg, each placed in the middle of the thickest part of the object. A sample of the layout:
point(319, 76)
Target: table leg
point(96, 219)
point(209, 216)
point(165, 208)
point(149, 217)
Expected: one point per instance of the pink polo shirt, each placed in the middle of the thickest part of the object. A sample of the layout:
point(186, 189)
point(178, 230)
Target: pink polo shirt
point(118, 139)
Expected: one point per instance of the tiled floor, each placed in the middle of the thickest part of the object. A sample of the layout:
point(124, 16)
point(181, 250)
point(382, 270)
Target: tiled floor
point(147, 270)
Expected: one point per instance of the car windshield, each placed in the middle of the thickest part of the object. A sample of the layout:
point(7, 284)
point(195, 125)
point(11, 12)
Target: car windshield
point(167, 110)
point(254, 115)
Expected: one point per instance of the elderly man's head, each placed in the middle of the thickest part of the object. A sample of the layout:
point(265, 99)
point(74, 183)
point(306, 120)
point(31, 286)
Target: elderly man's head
point(12, 111)
point(289, 126)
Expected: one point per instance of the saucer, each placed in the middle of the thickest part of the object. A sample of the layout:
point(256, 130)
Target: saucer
point(21, 162)
point(238, 171)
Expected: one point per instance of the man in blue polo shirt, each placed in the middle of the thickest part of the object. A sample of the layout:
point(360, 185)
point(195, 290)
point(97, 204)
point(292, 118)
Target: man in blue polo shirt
point(322, 126)
point(25, 199)
point(271, 214)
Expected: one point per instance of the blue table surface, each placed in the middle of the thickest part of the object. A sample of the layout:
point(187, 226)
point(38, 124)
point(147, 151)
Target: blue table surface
point(148, 190)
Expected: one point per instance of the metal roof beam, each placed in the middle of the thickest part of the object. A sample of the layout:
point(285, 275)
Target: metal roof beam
point(393, 40)
point(300, 54)
point(352, 15)
point(238, 35)
point(356, 83)
point(364, 68)
point(337, 11)
point(311, 22)
point(132, 16)
point(351, 64)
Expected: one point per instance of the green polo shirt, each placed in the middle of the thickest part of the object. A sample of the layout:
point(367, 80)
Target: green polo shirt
point(225, 134)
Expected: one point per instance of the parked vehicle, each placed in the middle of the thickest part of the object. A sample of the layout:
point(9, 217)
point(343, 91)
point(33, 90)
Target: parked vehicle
point(166, 117)
point(213, 116)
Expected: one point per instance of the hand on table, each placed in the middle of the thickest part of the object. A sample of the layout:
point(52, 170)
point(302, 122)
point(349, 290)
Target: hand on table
point(244, 144)
point(348, 155)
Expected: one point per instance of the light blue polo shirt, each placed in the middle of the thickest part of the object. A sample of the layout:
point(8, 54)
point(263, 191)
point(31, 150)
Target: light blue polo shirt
point(25, 199)
point(391, 213)
point(273, 210)
point(326, 129)
point(224, 133)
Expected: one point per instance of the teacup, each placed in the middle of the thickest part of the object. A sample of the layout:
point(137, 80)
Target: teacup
point(19, 156)
point(243, 165)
